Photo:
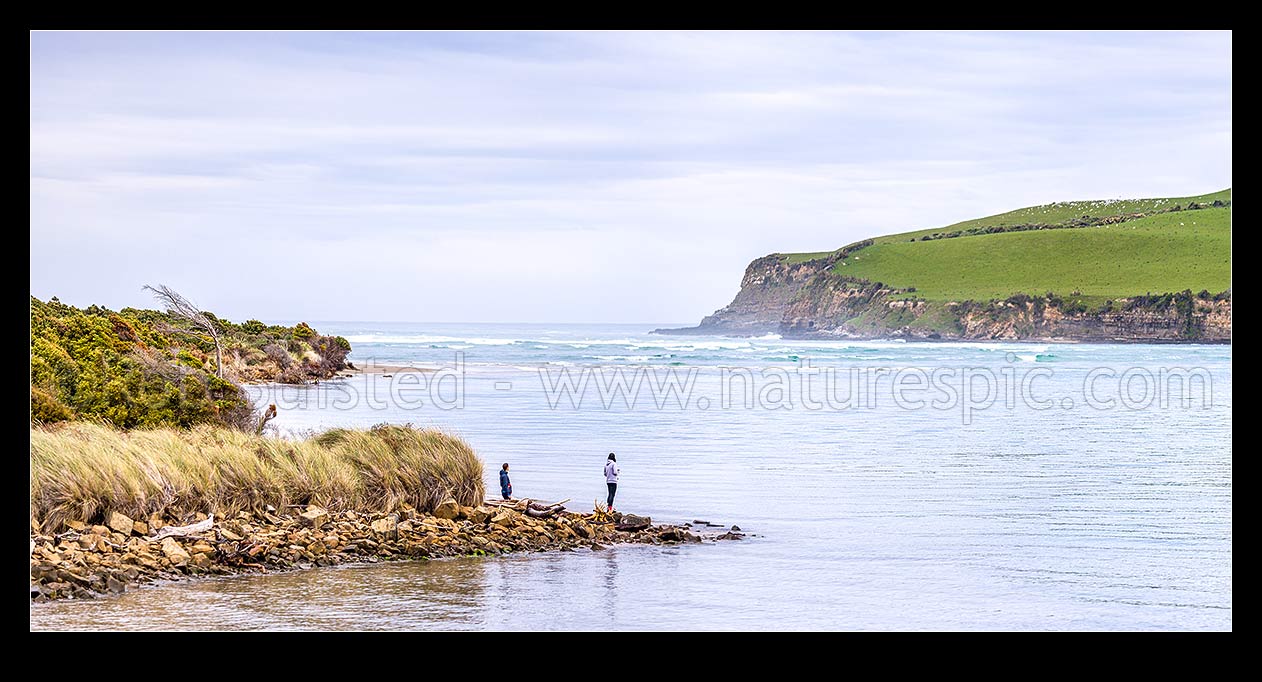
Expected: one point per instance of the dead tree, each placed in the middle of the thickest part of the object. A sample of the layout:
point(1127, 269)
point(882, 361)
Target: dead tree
point(181, 308)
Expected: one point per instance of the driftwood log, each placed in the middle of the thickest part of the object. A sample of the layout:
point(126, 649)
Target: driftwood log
point(537, 510)
point(181, 531)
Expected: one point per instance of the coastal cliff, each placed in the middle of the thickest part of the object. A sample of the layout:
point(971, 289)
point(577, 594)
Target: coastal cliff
point(825, 306)
point(1106, 272)
point(767, 289)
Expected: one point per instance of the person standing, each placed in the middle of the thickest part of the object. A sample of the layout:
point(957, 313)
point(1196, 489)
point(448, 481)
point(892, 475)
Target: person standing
point(611, 478)
point(506, 486)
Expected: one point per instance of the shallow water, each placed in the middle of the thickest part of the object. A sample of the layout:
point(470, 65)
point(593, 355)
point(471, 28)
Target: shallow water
point(1032, 515)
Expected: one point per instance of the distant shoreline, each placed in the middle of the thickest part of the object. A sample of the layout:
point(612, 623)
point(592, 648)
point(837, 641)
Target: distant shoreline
point(352, 372)
point(790, 336)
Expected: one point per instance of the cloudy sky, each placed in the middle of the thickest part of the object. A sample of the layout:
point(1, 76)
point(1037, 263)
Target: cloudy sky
point(597, 177)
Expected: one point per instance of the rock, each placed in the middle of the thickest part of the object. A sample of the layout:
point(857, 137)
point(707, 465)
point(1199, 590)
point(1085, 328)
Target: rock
point(101, 530)
point(700, 522)
point(76, 525)
point(386, 527)
point(139, 527)
point(479, 514)
point(447, 509)
point(202, 547)
point(736, 527)
point(503, 518)
point(174, 552)
point(632, 522)
point(229, 535)
point(730, 536)
point(314, 517)
point(121, 523)
point(670, 535)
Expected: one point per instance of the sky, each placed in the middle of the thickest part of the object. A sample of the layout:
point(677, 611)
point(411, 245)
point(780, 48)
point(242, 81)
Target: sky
point(575, 176)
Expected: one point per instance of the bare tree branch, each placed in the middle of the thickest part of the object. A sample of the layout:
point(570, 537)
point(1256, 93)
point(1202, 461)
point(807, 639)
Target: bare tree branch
point(184, 309)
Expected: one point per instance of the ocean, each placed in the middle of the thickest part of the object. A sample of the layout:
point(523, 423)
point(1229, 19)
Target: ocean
point(883, 485)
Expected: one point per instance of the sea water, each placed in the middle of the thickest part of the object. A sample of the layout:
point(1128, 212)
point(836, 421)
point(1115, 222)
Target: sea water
point(880, 484)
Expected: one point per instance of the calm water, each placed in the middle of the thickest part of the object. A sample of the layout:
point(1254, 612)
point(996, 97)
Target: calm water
point(1048, 509)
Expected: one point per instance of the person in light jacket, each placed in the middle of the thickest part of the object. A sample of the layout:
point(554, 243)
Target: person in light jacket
point(611, 478)
point(506, 486)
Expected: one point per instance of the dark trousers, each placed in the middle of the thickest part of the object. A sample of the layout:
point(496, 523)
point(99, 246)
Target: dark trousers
point(613, 488)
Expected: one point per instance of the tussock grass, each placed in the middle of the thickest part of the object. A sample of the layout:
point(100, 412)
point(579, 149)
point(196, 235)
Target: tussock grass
point(82, 471)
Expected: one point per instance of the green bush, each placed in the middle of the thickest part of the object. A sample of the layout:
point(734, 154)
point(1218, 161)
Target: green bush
point(129, 368)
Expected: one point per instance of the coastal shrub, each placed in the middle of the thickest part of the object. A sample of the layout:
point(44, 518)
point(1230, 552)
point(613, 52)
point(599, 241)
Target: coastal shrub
point(303, 331)
point(332, 351)
point(293, 374)
point(134, 368)
point(84, 470)
point(278, 355)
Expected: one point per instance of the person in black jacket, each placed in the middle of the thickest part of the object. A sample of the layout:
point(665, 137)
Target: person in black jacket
point(506, 486)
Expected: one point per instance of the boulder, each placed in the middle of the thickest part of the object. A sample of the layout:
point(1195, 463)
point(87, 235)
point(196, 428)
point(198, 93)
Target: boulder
point(314, 517)
point(479, 514)
point(503, 518)
point(386, 527)
point(121, 523)
point(447, 509)
point(632, 522)
point(174, 552)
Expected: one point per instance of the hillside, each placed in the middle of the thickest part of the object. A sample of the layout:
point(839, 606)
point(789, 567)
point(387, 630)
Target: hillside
point(1117, 270)
point(140, 368)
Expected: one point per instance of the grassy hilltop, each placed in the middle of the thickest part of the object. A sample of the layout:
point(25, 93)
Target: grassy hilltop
point(1099, 249)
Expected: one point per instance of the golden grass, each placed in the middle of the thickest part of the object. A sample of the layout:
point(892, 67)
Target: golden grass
point(82, 471)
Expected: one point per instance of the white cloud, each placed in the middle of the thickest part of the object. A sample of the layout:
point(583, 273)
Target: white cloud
point(572, 176)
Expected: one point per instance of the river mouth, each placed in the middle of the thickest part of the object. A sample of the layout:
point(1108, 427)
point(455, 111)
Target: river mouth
point(872, 517)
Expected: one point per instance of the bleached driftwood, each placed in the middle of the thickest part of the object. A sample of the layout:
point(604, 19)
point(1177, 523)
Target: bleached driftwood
point(181, 531)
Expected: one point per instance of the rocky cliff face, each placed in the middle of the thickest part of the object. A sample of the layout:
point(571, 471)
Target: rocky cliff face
point(768, 286)
point(807, 300)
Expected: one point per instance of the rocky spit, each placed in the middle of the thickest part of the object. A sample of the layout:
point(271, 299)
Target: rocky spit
point(85, 561)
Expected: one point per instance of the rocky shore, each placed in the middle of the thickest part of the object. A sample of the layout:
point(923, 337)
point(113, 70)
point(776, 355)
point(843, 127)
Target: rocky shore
point(85, 561)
